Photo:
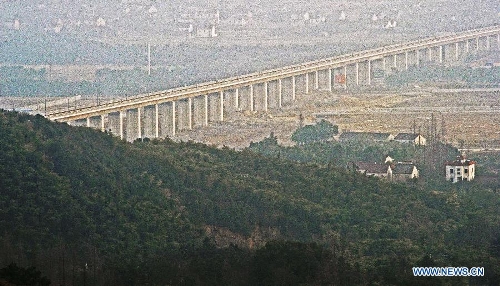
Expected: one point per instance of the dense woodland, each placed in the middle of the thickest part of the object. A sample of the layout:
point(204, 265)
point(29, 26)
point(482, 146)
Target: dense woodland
point(85, 208)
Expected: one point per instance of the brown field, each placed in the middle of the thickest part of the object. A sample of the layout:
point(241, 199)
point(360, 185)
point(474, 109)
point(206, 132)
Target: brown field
point(464, 119)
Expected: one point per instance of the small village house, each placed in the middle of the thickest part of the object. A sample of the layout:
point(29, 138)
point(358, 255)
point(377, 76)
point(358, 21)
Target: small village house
point(460, 170)
point(411, 138)
point(403, 171)
point(373, 169)
point(399, 171)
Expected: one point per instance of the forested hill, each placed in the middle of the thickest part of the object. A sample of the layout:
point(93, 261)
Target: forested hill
point(82, 205)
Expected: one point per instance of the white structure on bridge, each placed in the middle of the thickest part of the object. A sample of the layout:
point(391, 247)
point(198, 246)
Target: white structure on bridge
point(161, 114)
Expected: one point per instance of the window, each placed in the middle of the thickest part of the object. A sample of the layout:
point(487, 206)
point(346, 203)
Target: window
point(466, 171)
point(451, 171)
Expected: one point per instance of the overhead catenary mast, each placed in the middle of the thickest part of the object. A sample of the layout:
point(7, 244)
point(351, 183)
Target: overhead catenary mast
point(149, 58)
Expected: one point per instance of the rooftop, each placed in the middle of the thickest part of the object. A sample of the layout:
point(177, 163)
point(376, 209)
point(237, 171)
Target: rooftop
point(372, 168)
point(406, 136)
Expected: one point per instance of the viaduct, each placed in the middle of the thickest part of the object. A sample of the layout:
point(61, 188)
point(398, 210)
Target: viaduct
point(162, 114)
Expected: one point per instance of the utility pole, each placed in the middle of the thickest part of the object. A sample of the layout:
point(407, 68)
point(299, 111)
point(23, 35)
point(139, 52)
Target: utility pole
point(149, 58)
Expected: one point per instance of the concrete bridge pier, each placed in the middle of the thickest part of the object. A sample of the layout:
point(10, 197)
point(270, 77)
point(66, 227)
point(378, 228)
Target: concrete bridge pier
point(306, 84)
point(316, 80)
point(266, 96)
point(329, 80)
point(279, 88)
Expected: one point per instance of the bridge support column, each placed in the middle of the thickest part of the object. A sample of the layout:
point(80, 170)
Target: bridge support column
point(88, 121)
point(441, 54)
point(406, 60)
point(139, 123)
point(122, 114)
point(477, 43)
point(345, 77)
point(251, 98)
point(157, 121)
point(103, 126)
point(498, 41)
point(237, 98)
point(457, 52)
point(173, 118)
point(293, 88)
point(418, 57)
point(307, 82)
point(329, 79)
point(221, 105)
point(206, 110)
point(369, 72)
point(429, 52)
point(316, 76)
point(395, 59)
point(190, 113)
point(467, 46)
point(266, 95)
point(488, 45)
point(280, 92)
point(357, 73)
point(383, 63)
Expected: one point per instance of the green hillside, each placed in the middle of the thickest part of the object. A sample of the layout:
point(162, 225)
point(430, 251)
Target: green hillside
point(85, 207)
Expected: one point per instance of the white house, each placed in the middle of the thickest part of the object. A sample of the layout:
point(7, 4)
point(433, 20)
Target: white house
point(410, 138)
point(460, 170)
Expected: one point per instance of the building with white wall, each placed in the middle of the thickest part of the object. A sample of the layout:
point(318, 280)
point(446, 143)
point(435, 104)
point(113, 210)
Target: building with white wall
point(460, 170)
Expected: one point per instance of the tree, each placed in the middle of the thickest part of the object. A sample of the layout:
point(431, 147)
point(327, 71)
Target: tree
point(322, 131)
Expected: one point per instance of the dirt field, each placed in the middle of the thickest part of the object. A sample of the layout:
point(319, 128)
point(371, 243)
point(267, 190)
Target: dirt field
point(464, 119)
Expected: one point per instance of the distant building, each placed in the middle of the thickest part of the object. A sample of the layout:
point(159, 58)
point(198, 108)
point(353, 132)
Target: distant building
point(410, 138)
point(343, 16)
point(373, 169)
point(403, 171)
point(365, 136)
point(204, 32)
point(391, 24)
point(100, 22)
point(460, 170)
point(400, 171)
